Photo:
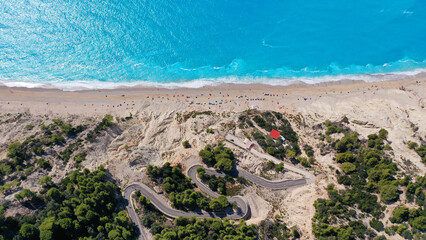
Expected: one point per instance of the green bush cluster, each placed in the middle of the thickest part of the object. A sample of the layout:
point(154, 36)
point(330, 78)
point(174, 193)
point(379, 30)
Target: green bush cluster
point(220, 157)
point(415, 190)
point(42, 163)
point(186, 144)
point(180, 189)
point(65, 154)
point(244, 121)
point(217, 184)
point(53, 134)
point(192, 114)
point(377, 141)
point(104, 124)
point(275, 120)
point(304, 161)
point(334, 217)
point(361, 163)
point(348, 142)
point(68, 129)
point(269, 121)
point(84, 205)
point(331, 129)
point(420, 150)
point(207, 228)
point(276, 230)
point(22, 160)
point(79, 157)
point(308, 150)
point(7, 188)
point(273, 166)
point(376, 224)
point(366, 169)
point(415, 217)
point(335, 127)
point(18, 152)
point(272, 147)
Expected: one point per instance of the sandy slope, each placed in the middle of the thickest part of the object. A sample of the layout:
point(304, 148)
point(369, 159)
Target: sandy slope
point(154, 134)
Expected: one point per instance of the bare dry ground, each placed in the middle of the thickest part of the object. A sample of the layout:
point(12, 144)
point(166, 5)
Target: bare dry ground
point(161, 121)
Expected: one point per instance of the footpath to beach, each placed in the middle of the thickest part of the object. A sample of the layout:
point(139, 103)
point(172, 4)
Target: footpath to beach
point(243, 209)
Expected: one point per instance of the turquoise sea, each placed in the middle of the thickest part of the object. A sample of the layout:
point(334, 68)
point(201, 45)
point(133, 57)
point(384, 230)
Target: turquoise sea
point(74, 44)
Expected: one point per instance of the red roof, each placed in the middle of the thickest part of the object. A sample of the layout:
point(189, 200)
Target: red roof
point(274, 134)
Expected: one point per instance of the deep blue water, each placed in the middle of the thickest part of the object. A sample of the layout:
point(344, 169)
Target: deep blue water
point(72, 41)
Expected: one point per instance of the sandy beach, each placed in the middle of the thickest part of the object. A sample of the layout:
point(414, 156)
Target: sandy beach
point(224, 97)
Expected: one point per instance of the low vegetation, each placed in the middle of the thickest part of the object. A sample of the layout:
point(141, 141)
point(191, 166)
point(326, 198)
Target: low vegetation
point(106, 122)
point(420, 150)
point(372, 182)
point(193, 228)
point(224, 185)
point(273, 166)
point(183, 118)
point(58, 140)
point(220, 157)
point(278, 148)
point(275, 229)
point(83, 205)
point(207, 228)
point(186, 144)
point(181, 191)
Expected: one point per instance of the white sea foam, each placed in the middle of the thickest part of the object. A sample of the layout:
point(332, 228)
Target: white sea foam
point(198, 83)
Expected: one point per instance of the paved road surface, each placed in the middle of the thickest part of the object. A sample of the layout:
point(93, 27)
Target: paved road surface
point(243, 210)
point(236, 141)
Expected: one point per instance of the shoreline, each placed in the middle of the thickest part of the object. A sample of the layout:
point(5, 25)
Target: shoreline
point(217, 85)
point(203, 83)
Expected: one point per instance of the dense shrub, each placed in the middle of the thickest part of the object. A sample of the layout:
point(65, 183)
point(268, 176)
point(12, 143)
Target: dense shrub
point(83, 205)
point(207, 228)
point(186, 144)
point(220, 157)
point(180, 189)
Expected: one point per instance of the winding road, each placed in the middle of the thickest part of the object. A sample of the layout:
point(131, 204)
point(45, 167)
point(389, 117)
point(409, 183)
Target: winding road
point(243, 209)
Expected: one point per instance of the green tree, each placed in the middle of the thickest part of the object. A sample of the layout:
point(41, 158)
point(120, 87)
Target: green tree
point(5, 169)
point(46, 182)
point(419, 223)
point(376, 224)
point(345, 157)
point(54, 194)
point(223, 201)
point(25, 195)
point(41, 162)
point(28, 231)
point(400, 214)
point(383, 134)
point(46, 228)
point(186, 144)
point(389, 193)
point(291, 154)
point(206, 155)
point(412, 145)
point(114, 234)
point(348, 167)
point(270, 150)
point(346, 234)
point(18, 153)
point(215, 205)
